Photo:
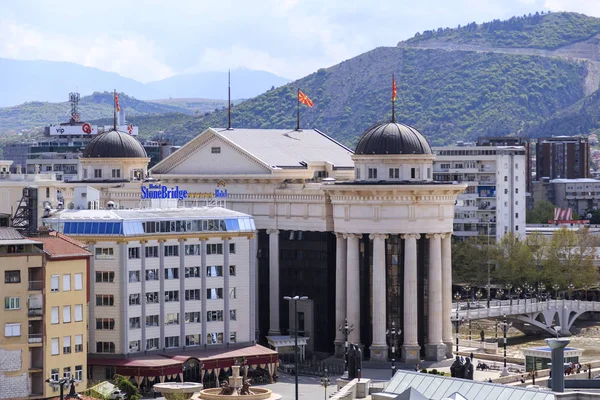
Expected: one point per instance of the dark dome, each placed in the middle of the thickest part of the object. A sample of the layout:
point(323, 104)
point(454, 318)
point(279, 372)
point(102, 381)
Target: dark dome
point(114, 144)
point(392, 138)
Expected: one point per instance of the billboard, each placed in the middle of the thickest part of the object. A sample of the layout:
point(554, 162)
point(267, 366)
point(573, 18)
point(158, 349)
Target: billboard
point(84, 129)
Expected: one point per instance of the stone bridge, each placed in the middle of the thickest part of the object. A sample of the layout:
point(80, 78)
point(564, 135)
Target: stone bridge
point(530, 316)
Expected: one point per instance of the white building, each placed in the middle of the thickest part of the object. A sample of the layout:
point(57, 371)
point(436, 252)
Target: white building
point(494, 202)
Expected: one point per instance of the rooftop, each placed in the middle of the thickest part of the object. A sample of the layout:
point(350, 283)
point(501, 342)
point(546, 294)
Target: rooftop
point(577, 180)
point(144, 214)
point(60, 246)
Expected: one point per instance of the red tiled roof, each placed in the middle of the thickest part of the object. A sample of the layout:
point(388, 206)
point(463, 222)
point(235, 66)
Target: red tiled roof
point(61, 246)
point(81, 396)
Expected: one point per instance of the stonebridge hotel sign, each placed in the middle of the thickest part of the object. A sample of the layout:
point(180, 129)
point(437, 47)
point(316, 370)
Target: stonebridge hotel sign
point(158, 191)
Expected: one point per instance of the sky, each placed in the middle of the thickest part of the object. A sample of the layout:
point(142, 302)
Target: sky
point(149, 40)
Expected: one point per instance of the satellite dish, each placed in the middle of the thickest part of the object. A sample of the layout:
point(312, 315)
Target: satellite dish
point(588, 215)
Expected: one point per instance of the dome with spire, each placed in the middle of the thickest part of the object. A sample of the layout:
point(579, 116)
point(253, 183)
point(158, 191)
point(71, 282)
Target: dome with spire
point(392, 138)
point(114, 144)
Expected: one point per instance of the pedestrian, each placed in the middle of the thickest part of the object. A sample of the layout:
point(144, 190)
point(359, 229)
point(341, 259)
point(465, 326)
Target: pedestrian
point(489, 380)
point(462, 360)
point(472, 358)
point(482, 334)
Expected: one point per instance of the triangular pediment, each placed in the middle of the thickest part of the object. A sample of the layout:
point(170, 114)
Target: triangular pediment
point(211, 154)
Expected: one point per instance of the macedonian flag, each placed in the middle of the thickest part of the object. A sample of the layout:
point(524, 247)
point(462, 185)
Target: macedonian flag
point(394, 90)
point(302, 98)
point(117, 102)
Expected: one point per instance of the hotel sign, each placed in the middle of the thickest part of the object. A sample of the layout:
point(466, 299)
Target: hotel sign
point(157, 191)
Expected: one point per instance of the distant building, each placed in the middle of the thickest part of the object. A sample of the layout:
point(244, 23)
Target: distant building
point(562, 157)
point(494, 202)
point(582, 195)
point(513, 141)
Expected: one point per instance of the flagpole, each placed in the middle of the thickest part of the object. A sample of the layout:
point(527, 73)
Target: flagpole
point(229, 102)
point(298, 111)
point(115, 109)
point(393, 100)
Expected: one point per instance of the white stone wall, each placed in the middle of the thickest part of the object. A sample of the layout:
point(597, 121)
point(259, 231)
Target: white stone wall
point(10, 360)
point(12, 386)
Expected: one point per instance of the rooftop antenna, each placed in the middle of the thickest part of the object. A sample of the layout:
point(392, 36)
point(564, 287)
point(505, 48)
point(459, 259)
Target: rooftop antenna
point(229, 102)
point(74, 100)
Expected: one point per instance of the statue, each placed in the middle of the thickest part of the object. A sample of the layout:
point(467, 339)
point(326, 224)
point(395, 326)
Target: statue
point(456, 368)
point(245, 389)
point(226, 390)
point(358, 361)
point(351, 362)
point(467, 370)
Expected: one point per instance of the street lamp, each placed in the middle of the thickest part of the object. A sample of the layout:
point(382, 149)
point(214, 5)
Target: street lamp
point(457, 320)
point(346, 331)
point(479, 295)
point(487, 288)
point(61, 383)
point(468, 291)
point(295, 300)
point(505, 326)
point(508, 287)
point(518, 291)
point(570, 288)
point(541, 288)
point(499, 294)
point(325, 382)
point(556, 287)
point(392, 333)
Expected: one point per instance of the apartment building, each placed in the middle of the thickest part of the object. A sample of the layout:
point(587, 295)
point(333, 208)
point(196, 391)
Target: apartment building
point(164, 280)
point(562, 157)
point(494, 202)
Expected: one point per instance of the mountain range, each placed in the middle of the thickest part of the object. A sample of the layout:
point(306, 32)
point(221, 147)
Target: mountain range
point(50, 81)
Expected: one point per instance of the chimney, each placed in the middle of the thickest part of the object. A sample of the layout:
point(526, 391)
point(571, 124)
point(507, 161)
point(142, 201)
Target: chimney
point(558, 363)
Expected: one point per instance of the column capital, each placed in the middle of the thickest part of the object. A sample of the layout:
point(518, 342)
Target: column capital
point(181, 240)
point(92, 242)
point(446, 235)
point(273, 231)
point(143, 241)
point(411, 236)
point(352, 235)
point(339, 235)
point(122, 242)
point(226, 238)
point(161, 240)
point(374, 236)
point(434, 236)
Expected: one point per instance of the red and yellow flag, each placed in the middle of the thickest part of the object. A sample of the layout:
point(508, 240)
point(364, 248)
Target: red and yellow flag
point(117, 102)
point(394, 90)
point(302, 98)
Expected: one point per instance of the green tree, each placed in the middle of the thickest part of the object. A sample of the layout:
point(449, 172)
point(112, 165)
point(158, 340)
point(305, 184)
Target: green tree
point(539, 248)
point(571, 258)
point(514, 261)
point(470, 261)
point(541, 213)
point(126, 386)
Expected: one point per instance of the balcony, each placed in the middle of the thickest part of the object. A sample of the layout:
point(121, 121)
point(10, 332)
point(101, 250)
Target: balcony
point(35, 338)
point(35, 285)
point(35, 312)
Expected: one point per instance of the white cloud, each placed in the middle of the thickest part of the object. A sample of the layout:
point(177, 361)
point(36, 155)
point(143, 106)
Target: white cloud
point(130, 55)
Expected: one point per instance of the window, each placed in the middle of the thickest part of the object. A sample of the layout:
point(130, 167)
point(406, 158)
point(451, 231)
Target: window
point(12, 303)
point(505, 178)
point(105, 347)
point(372, 173)
point(151, 251)
point(54, 374)
point(12, 330)
point(67, 372)
point(232, 270)
point(215, 150)
point(79, 373)
point(171, 273)
point(517, 190)
point(232, 315)
point(428, 173)
point(505, 191)
point(172, 319)
point(67, 345)
point(54, 282)
point(78, 343)
point(192, 272)
point(172, 341)
point(55, 346)
point(214, 248)
point(105, 324)
point(214, 316)
point(133, 252)
point(66, 314)
point(116, 173)
point(171, 251)
point(214, 270)
point(67, 283)
point(134, 276)
point(517, 178)
point(192, 340)
point(85, 174)
point(214, 338)
point(54, 315)
point(516, 227)
point(79, 281)
point(231, 248)
point(191, 317)
point(517, 203)
point(12, 276)
point(134, 299)
point(97, 173)
point(516, 215)
point(171, 295)
point(152, 274)
point(105, 253)
point(134, 346)
point(214, 294)
point(192, 249)
point(394, 173)
point(357, 173)
point(105, 277)
point(152, 343)
point(192, 294)
point(78, 312)
point(232, 337)
point(134, 323)
point(232, 293)
point(152, 320)
point(152, 298)
point(105, 300)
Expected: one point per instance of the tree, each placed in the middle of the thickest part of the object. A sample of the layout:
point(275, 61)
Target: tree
point(541, 213)
point(470, 260)
point(571, 258)
point(539, 248)
point(514, 261)
point(126, 386)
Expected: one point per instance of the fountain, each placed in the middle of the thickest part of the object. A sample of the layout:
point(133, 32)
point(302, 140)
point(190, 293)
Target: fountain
point(177, 390)
point(238, 388)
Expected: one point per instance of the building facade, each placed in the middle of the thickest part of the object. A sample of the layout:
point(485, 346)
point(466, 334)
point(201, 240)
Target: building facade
point(495, 200)
point(562, 157)
point(582, 195)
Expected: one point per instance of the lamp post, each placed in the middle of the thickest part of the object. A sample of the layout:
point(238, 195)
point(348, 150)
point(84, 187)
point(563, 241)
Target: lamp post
point(457, 320)
point(508, 287)
point(478, 295)
point(295, 299)
point(468, 291)
point(505, 326)
point(541, 287)
point(61, 383)
point(346, 331)
point(325, 382)
point(570, 288)
point(499, 294)
point(518, 291)
point(488, 289)
point(556, 287)
point(392, 333)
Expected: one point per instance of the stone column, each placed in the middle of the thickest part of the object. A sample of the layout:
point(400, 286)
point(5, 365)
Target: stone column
point(447, 293)
point(274, 328)
point(340, 291)
point(353, 287)
point(435, 350)
point(379, 347)
point(410, 346)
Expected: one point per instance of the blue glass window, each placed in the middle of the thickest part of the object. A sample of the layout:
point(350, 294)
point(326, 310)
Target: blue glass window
point(80, 226)
point(67, 228)
point(88, 228)
point(101, 228)
point(94, 227)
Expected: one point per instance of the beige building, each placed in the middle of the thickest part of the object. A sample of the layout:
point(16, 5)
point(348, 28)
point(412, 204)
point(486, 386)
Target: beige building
point(37, 313)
